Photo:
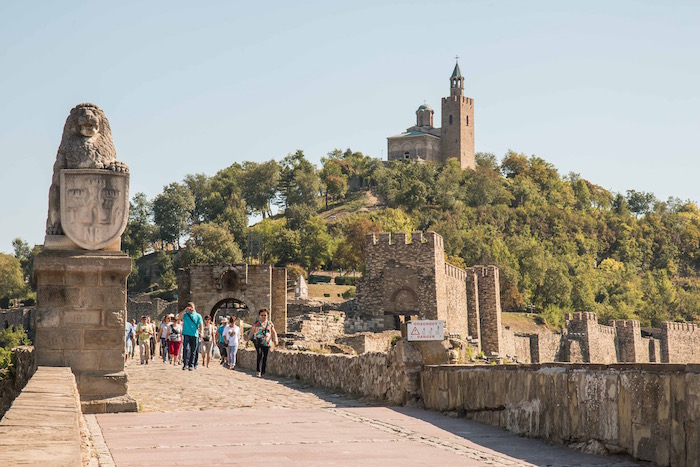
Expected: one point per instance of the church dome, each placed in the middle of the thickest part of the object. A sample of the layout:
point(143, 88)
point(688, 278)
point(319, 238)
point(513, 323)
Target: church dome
point(425, 107)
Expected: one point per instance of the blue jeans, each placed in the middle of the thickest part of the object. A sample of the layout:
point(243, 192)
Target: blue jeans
point(189, 351)
point(164, 348)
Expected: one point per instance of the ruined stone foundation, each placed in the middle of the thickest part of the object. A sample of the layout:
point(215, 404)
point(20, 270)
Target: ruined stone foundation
point(81, 307)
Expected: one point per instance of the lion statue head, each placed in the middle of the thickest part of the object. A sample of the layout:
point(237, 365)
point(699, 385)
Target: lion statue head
point(87, 139)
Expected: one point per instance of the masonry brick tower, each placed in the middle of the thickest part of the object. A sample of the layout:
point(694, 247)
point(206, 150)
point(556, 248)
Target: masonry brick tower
point(457, 132)
point(425, 143)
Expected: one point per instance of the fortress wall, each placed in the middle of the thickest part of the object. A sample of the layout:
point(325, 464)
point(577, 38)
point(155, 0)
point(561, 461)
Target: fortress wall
point(455, 301)
point(630, 346)
point(545, 347)
point(399, 266)
point(680, 343)
point(489, 309)
point(473, 319)
point(516, 345)
point(648, 411)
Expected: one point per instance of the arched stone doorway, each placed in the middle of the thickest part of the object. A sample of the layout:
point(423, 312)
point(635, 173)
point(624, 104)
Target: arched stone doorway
point(403, 305)
point(230, 307)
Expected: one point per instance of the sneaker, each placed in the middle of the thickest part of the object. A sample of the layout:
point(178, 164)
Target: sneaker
point(189, 368)
point(259, 375)
point(184, 368)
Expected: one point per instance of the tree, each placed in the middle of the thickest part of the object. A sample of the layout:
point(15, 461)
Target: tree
point(335, 182)
point(171, 210)
point(11, 277)
point(210, 244)
point(299, 183)
point(25, 254)
point(200, 187)
point(352, 247)
point(140, 231)
point(317, 245)
point(259, 184)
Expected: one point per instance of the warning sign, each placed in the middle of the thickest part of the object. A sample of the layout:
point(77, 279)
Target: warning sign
point(423, 330)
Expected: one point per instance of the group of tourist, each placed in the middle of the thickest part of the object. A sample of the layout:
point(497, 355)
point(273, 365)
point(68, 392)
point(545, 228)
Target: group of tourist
point(183, 337)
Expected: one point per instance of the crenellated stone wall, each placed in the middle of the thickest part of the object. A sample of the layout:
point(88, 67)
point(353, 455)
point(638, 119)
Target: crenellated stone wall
point(680, 343)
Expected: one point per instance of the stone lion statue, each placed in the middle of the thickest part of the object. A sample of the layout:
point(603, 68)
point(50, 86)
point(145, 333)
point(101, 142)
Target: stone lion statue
point(86, 144)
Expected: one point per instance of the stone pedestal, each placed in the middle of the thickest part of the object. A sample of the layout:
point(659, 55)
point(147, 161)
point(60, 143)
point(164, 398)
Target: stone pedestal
point(81, 308)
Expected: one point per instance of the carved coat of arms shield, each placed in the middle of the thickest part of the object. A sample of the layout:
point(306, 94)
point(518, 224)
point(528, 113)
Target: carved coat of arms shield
point(94, 206)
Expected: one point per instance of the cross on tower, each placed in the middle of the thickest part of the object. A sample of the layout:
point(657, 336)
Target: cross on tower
point(457, 57)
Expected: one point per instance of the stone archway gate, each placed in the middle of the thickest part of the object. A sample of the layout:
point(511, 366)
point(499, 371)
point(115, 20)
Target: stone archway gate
point(256, 285)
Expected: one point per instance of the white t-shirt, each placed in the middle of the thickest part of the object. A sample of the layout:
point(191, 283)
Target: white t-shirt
point(163, 331)
point(233, 334)
point(175, 333)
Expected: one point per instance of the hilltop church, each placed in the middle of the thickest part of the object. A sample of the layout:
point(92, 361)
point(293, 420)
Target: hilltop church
point(424, 142)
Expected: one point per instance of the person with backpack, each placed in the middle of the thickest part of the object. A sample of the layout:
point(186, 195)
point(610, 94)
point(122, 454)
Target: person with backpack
point(263, 334)
point(192, 324)
point(174, 337)
point(220, 340)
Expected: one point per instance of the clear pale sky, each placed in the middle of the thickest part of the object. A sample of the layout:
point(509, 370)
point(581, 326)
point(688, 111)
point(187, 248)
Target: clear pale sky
point(605, 89)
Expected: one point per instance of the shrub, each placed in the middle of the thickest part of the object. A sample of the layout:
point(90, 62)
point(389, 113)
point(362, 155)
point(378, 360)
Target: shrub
point(345, 280)
point(350, 293)
point(9, 339)
point(319, 279)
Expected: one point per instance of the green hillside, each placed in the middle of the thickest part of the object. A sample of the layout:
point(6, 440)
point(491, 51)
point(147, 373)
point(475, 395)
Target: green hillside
point(562, 243)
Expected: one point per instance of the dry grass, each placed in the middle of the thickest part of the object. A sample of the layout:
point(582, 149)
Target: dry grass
point(335, 292)
point(523, 322)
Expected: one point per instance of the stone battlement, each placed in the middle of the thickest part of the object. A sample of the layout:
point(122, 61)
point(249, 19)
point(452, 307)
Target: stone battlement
point(685, 327)
point(625, 323)
point(400, 239)
point(455, 272)
point(582, 316)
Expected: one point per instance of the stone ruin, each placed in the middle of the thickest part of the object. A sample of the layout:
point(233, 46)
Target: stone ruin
point(81, 273)
point(235, 290)
point(408, 277)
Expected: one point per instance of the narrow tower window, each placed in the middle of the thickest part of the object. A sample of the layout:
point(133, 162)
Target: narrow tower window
point(450, 119)
point(467, 120)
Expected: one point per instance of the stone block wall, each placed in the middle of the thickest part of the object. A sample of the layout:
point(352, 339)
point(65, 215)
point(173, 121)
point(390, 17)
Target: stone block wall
point(680, 343)
point(369, 341)
point(631, 347)
point(545, 347)
point(321, 327)
point(279, 299)
point(19, 318)
point(391, 376)
point(489, 291)
point(81, 308)
point(648, 411)
point(456, 301)
point(515, 344)
point(473, 319)
point(363, 324)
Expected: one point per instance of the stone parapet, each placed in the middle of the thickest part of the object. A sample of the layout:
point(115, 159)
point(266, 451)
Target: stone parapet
point(43, 425)
point(649, 411)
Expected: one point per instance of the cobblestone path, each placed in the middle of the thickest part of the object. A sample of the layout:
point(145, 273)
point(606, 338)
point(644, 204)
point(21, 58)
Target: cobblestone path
point(214, 416)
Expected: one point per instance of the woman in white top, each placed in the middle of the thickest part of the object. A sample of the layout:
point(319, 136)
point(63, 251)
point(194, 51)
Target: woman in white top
point(207, 344)
point(232, 335)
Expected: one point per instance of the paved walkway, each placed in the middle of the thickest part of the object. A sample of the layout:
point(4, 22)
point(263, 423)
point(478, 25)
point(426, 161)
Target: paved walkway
point(215, 416)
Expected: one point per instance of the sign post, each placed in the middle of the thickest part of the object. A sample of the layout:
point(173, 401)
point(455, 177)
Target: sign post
point(425, 330)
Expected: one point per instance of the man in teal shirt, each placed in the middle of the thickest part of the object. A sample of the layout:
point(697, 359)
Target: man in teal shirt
point(192, 325)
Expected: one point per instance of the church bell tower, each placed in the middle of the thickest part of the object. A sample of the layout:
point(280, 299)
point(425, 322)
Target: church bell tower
point(457, 132)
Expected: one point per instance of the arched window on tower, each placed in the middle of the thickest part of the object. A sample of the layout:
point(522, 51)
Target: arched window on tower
point(450, 119)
